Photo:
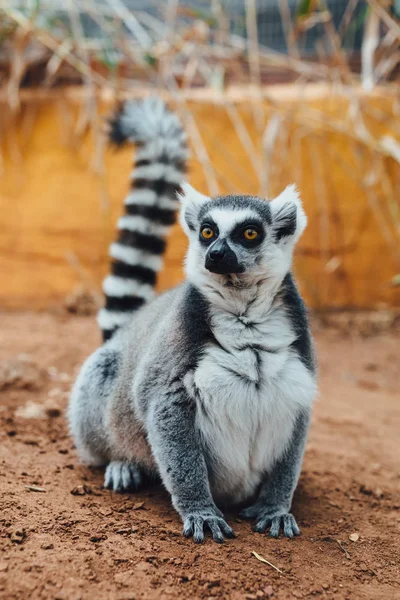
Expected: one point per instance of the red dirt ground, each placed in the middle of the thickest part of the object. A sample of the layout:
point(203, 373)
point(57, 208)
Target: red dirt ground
point(102, 545)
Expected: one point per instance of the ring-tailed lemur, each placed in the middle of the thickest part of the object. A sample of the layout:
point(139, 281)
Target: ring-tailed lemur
point(210, 385)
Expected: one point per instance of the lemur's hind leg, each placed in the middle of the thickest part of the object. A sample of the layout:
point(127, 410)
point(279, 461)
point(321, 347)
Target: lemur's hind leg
point(89, 402)
point(122, 476)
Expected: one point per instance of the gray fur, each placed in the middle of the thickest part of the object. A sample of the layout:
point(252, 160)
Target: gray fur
point(210, 385)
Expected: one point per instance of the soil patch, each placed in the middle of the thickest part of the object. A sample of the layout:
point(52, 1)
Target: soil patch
point(63, 537)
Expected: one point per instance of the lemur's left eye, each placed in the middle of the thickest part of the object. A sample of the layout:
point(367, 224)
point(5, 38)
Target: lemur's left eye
point(207, 233)
point(250, 233)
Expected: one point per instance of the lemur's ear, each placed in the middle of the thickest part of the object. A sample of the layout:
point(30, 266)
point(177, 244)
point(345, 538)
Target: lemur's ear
point(288, 217)
point(192, 202)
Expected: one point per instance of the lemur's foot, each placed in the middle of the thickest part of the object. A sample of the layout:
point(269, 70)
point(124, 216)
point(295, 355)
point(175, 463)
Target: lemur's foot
point(195, 523)
point(122, 477)
point(265, 516)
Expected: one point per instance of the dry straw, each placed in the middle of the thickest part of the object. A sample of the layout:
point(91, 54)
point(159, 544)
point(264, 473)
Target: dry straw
point(193, 56)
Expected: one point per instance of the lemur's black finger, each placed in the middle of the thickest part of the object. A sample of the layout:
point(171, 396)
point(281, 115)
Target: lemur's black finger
point(226, 530)
point(261, 525)
point(198, 534)
point(188, 527)
point(126, 478)
point(216, 531)
point(290, 527)
point(275, 527)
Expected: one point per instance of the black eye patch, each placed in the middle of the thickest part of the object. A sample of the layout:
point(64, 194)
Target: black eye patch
point(238, 235)
point(211, 225)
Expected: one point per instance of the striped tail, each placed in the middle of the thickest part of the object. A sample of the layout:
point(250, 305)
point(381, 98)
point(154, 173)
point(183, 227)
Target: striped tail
point(150, 206)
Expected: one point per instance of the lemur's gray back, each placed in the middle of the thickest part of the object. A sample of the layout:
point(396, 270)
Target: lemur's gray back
point(150, 206)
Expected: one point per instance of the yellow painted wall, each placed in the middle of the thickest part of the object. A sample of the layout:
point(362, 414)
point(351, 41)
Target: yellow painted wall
point(58, 208)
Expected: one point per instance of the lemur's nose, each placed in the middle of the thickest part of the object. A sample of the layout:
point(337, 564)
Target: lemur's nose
point(217, 255)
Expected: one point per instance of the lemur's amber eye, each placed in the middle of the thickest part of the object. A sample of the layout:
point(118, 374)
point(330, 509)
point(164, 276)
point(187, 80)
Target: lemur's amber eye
point(207, 233)
point(250, 234)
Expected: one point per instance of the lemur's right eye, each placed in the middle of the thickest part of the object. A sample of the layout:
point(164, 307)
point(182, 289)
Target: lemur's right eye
point(250, 234)
point(207, 233)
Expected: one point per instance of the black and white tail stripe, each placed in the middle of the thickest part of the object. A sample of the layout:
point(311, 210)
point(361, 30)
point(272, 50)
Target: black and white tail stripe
point(150, 206)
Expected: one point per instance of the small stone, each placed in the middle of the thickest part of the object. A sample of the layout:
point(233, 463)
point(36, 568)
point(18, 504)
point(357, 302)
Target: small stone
point(123, 531)
point(31, 410)
point(18, 536)
point(213, 582)
point(78, 490)
point(47, 546)
point(354, 537)
point(52, 410)
point(365, 490)
point(99, 537)
point(82, 490)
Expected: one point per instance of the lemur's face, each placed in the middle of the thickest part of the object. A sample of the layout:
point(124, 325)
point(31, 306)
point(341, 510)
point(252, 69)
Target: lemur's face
point(230, 242)
point(241, 239)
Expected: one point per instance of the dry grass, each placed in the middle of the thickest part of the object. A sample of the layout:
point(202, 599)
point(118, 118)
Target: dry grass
point(178, 50)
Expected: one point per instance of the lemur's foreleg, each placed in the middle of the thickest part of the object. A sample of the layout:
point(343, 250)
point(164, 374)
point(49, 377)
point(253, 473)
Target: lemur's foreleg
point(272, 507)
point(176, 446)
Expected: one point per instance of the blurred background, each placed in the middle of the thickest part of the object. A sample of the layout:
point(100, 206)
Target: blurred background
point(270, 92)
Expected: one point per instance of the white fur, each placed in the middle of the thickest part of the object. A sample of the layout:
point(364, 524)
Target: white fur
point(143, 197)
point(156, 171)
point(191, 203)
point(284, 202)
point(173, 147)
point(142, 225)
point(168, 203)
point(134, 256)
point(227, 220)
point(248, 424)
point(150, 120)
point(107, 319)
point(119, 286)
point(146, 197)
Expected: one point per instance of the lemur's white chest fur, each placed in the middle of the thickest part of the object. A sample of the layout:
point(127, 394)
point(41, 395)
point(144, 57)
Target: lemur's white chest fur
point(249, 386)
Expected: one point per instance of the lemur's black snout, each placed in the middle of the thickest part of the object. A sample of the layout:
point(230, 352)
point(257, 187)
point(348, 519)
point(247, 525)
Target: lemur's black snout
point(217, 255)
point(221, 259)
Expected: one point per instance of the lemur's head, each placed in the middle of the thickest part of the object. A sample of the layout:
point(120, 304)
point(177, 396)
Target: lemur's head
point(241, 240)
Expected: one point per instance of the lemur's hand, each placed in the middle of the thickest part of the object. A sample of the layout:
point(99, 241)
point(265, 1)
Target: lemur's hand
point(195, 522)
point(273, 517)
